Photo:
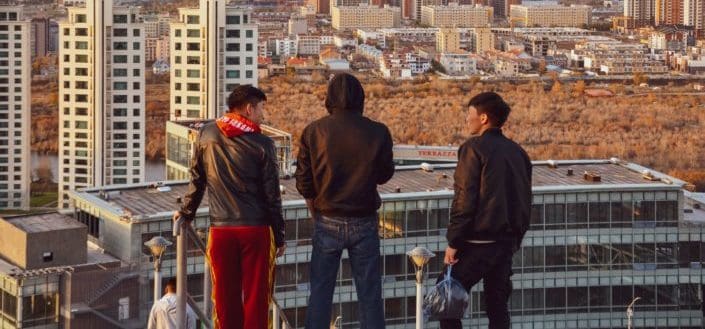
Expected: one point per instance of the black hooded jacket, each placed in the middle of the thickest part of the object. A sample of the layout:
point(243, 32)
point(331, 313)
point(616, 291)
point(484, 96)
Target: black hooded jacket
point(344, 156)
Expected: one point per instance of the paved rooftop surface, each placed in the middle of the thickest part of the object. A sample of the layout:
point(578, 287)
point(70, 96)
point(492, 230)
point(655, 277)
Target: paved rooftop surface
point(150, 199)
point(43, 222)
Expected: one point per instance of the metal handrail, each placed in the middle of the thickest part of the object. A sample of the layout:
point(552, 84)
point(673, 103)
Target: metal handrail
point(183, 298)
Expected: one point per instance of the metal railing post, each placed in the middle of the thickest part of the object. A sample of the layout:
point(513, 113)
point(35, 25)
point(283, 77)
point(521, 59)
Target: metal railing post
point(181, 248)
point(207, 286)
point(275, 317)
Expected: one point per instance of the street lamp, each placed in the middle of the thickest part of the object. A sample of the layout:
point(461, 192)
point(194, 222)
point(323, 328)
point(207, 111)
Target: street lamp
point(157, 245)
point(420, 257)
point(630, 312)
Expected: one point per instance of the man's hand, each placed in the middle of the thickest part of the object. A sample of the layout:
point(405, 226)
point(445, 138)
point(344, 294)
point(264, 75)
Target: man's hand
point(450, 256)
point(280, 250)
point(176, 215)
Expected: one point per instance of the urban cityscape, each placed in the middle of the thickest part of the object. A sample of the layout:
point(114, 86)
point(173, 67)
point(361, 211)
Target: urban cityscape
point(101, 102)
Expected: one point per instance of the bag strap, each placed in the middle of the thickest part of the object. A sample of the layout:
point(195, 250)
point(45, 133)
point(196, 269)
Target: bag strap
point(448, 272)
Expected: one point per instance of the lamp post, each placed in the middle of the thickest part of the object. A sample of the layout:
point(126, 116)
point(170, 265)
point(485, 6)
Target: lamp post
point(420, 257)
point(630, 312)
point(157, 245)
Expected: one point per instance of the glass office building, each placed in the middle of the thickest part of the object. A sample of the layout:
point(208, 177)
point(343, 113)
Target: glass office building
point(602, 233)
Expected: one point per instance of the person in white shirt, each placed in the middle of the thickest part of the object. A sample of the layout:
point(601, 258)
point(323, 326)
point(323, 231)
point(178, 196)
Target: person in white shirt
point(163, 314)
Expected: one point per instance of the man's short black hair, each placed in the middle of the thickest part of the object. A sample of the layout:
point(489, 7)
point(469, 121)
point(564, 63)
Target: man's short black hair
point(493, 105)
point(171, 284)
point(243, 95)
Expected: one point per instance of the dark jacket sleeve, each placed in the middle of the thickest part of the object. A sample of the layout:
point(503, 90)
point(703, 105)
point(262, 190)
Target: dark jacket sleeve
point(526, 218)
point(272, 192)
point(467, 192)
point(386, 159)
point(197, 186)
point(304, 173)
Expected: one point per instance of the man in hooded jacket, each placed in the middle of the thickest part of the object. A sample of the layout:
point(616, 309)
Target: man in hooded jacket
point(342, 158)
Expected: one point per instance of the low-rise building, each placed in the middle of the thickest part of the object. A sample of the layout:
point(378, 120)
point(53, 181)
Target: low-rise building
point(365, 16)
point(505, 67)
point(51, 278)
point(458, 63)
point(308, 45)
point(551, 15)
point(455, 15)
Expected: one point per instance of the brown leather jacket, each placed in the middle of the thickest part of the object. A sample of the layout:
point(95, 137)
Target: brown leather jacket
point(242, 178)
point(492, 191)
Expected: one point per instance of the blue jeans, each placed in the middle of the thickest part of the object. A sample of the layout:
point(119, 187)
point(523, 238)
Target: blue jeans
point(360, 237)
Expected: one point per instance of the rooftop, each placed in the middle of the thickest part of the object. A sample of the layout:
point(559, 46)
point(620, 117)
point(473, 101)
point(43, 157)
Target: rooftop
point(140, 201)
point(43, 222)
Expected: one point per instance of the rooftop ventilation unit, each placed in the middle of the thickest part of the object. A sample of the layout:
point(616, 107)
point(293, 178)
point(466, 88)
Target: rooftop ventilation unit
point(569, 172)
point(282, 189)
point(427, 167)
point(648, 175)
point(592, 176)
point(615, 160)
point(552, 164)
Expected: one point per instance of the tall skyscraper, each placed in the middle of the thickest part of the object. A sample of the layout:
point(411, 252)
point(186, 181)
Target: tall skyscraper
point(101, 97)
point(668, 12)
point(213, 50)
point(694, 15)
point(322, 6)
point(640, 12)
point(40, 36)
point(15, 78)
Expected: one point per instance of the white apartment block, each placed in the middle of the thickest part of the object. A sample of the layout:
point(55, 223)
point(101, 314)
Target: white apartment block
point(458, 63)
point(213, 50)
point(365, 17)
point(455, 15)
point(287, 47)
point(551, 15)
point(156, 26)
point(694, 15)
point(640, 12)
point(308, 44)
point(101, 97)
point(15, 78)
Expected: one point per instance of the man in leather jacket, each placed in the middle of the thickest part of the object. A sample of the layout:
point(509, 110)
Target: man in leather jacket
point(342, 158)
point(237, 165)
point(491, 208)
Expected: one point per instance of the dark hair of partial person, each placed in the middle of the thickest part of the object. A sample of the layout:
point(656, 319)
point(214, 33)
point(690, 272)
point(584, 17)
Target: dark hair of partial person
point(345, 93)
point(493, 105)
point(171, 284)
point(243, 95)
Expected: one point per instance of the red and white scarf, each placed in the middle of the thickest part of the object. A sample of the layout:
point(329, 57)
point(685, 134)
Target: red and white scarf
point(233, 124)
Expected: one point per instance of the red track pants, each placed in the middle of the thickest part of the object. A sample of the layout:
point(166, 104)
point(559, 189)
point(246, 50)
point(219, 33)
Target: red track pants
point(242, 268)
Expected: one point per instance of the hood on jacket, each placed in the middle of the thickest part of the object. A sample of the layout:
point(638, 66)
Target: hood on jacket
point(345, 94)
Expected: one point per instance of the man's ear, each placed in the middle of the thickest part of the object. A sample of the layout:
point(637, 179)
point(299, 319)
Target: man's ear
point(484, 119)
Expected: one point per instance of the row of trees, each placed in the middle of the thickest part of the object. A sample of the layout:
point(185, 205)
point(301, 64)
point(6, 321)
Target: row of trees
point(658, 131)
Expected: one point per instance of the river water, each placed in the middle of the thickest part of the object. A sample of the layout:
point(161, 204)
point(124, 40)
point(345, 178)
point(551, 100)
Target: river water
point(156, 170)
